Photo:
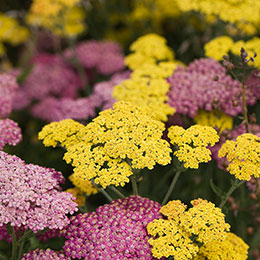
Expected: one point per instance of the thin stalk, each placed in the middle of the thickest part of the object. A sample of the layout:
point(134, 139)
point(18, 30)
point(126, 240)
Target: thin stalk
point(169, 192)
point(20, 252)
point(134, 185)
point(245, 115)
point(3, 257)
point(14, 244)
point(105, 194)
point(234, 186)
point(119, 193)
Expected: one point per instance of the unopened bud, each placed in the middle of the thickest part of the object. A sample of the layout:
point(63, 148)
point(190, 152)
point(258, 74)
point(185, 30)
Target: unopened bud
point(228, 65)
point(253, 196)
point(252, 118)
point(250, 230)
point(216, 78)
point(234, 103)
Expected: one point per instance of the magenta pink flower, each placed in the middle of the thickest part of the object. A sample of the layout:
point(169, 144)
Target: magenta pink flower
point(10, 133)
point(115, 231)
point(48, 254)
point(30, 196)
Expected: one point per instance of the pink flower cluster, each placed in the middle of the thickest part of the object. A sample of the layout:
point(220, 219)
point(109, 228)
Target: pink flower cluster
point(205, 85)
point(30, 196)
point(115, 231)
point(10, 133)
point(8, 86)
point(104, 56)
point(48, 254)
point(50, 76)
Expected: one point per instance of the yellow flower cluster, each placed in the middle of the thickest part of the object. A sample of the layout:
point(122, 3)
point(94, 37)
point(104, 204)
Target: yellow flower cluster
point(61, 17)
point(184, 231)
point(114, 142)
point(151, 49)
point(83, 185)
point(228, 10)
point(192, 143)
point(147, 85)
point(216, 119)
point(11, 32)
point(78, 194)
point(220, 46)
point(231, 248)
point(243, 156)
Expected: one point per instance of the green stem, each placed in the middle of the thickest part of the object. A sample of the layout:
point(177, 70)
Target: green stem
point(3, 257)
point(169, 192)
point(119, 193)
point(20, 252)
point(14, 244)
point(134, 185)
point(105, 194)
point(234, 186)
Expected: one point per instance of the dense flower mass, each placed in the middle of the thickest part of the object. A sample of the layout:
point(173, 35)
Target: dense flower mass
point(30, 196)
point(216, 119)
point(205, 85)
point(192, 143)
point(10, 133)
point(47, 254)
point(99, 151)
point(115, 231)
point(231, 248)
point(104, 56)
point(243, 156)
point(181, 234)
point(8, 87)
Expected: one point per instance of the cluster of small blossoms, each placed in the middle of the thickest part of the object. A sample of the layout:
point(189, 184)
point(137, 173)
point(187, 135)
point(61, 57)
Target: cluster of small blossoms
point(221, 45)
point(183, 231)
point(231, 248)
point(115, 231)
point(83, 186)
point(150, 48)
point(106, 57)
point(30, 196)
point(106, 149)
point(55, 109)
point(10, 133)
point(147, 85)
point(205, 85)
point(47, 254)
point(231, 11)
point(192, 143)
point(216, 119)
point(243, 156)
point(50, 76)
point(231, 135)
point(8, 87)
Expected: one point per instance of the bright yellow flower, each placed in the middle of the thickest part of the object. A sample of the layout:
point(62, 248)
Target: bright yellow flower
point(216, 119)
point(243, 156)
point(83, 185)
point(232, 248)
point(192, 143)
point(103, 150)
point(185, 231)
point(218, 47)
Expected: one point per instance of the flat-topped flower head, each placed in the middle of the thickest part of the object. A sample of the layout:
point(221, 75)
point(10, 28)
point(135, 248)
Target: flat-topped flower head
point(115, 231)
point(10, 133)
point(105, 150)
point(243, 156)
point(30, 196)
point(149, 49)
point(47, 254)
point(192, 144)
point(183, 231)
point(231, 248)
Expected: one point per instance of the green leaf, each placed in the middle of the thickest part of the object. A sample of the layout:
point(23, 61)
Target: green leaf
point(216, 189)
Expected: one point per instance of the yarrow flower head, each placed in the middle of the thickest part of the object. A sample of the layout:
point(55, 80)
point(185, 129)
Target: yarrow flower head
point(192, 143)
point(10, 133)
point(106, 149)
point(243, 156)
point(78, 195)
point(215, 119)
point(30, 196)
point(183, 231)
point(115, 231)
point(150, 49)
point(47, 254)
point(231, 248)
